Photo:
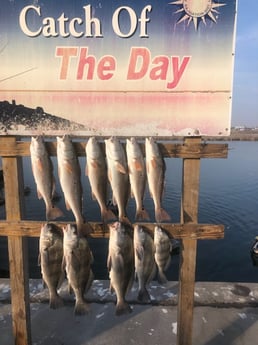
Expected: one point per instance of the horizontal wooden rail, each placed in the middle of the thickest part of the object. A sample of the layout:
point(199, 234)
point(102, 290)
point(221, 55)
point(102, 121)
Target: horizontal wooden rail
point(178, 231)
point(202, 150)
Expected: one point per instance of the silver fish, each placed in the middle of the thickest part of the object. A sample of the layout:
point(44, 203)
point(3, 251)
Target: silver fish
point(137, 177)
point(77, 262)
point(145, 266)
point(155, 174)
point(120, 264)
point(163, 249)
point(50, 260)
point(70, 179)
point(42, 169)
point(96, 170)
point(118, 175)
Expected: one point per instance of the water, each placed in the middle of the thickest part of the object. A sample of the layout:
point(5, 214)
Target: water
point(228, 195)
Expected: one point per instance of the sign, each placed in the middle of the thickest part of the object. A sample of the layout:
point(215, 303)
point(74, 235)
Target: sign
point(111, 67)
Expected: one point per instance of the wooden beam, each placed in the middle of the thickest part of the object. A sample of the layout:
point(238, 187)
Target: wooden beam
point(189, 215)
point(17, 248)
point(176, 150)
point(30, 228)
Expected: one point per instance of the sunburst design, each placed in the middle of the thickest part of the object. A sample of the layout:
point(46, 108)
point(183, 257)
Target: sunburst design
point(197, 10)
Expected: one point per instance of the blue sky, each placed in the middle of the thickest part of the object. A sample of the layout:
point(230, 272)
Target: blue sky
point(245, 87)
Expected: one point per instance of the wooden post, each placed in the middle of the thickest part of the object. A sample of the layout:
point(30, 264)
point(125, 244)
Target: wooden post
point(189, 214)
point(17, 248)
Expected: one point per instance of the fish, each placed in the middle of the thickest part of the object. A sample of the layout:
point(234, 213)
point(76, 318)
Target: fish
point(118, 175)
point(145, 266)
point(155, 165)
point(120, 264)
point(77, 261)
point(50, 260)
point(42, 169)
point(96, 170)
point(137, 176)
point(163, 249)
point(69, 172)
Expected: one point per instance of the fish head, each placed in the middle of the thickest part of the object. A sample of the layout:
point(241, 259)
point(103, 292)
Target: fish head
point(65, 146)
point(139, 234)
point(37, 146)
point(113, 148)
point(70, 234)
point(47, 235)
point(132, 148)
point(151, 147)
point(117, 233)
point(93, 150)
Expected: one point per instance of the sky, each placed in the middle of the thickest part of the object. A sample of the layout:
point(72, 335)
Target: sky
point(245, 83)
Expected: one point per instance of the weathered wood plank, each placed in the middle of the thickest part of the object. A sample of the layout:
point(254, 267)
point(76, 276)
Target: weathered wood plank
point(189, 214)
point(177, 231)
point(173, 150)
point(17, 249)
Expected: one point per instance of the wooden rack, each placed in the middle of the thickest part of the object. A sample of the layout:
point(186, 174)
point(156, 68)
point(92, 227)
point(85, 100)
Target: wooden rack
point(189, 231)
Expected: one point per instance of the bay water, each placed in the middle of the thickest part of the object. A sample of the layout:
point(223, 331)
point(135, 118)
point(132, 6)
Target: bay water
point(228, 195)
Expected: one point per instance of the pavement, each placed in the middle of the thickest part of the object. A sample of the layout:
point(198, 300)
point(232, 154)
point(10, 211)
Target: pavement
point(224, 314)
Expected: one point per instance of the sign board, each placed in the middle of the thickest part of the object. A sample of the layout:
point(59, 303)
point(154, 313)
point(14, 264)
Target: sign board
point(111, 67)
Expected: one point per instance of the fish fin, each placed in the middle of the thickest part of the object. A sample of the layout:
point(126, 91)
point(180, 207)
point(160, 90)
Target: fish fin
point(109, 263)
point(123, 308)
point(153, 162)
point(124, 219)
point(39, 194)
point(142, 215)
point(94, 164)
point(121, 168)
point(138, 165)
point(53, 213)
point(68, 166)
point(70, 289)
point(143, 295)
point(162, 279)
point(139, 250)
point(161, 215)
point(39, 260)
point(55, 302)
point(39, 164)
point(63, 265)
point(107, 215)
point(167, 263)
point(67, 205)
point(84, 229)
point(81, 308)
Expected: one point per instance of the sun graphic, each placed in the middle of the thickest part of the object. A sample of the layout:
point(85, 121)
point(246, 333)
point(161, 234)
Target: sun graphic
point(196, 10)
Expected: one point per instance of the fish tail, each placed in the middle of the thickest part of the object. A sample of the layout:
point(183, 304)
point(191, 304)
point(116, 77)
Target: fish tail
point(125, 220)
point(107, 215)
point(81, 308)
point(84, 229)
point(143, 295)
point(123, 308)
point(162, 279)
point(55, 301)
point(161, 215)
point(142, 215)
point(53, 212)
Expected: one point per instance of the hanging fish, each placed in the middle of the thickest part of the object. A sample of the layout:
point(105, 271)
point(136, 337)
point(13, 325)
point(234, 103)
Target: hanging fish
point(137, 177)
point(120, 264)
point(96, 170)
point(145, 266)
point(42, 169)
point(70, 180)
point(50, 260)
point(118, 175)
point(77, 262)
point(155, 175)
point(163, 249)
